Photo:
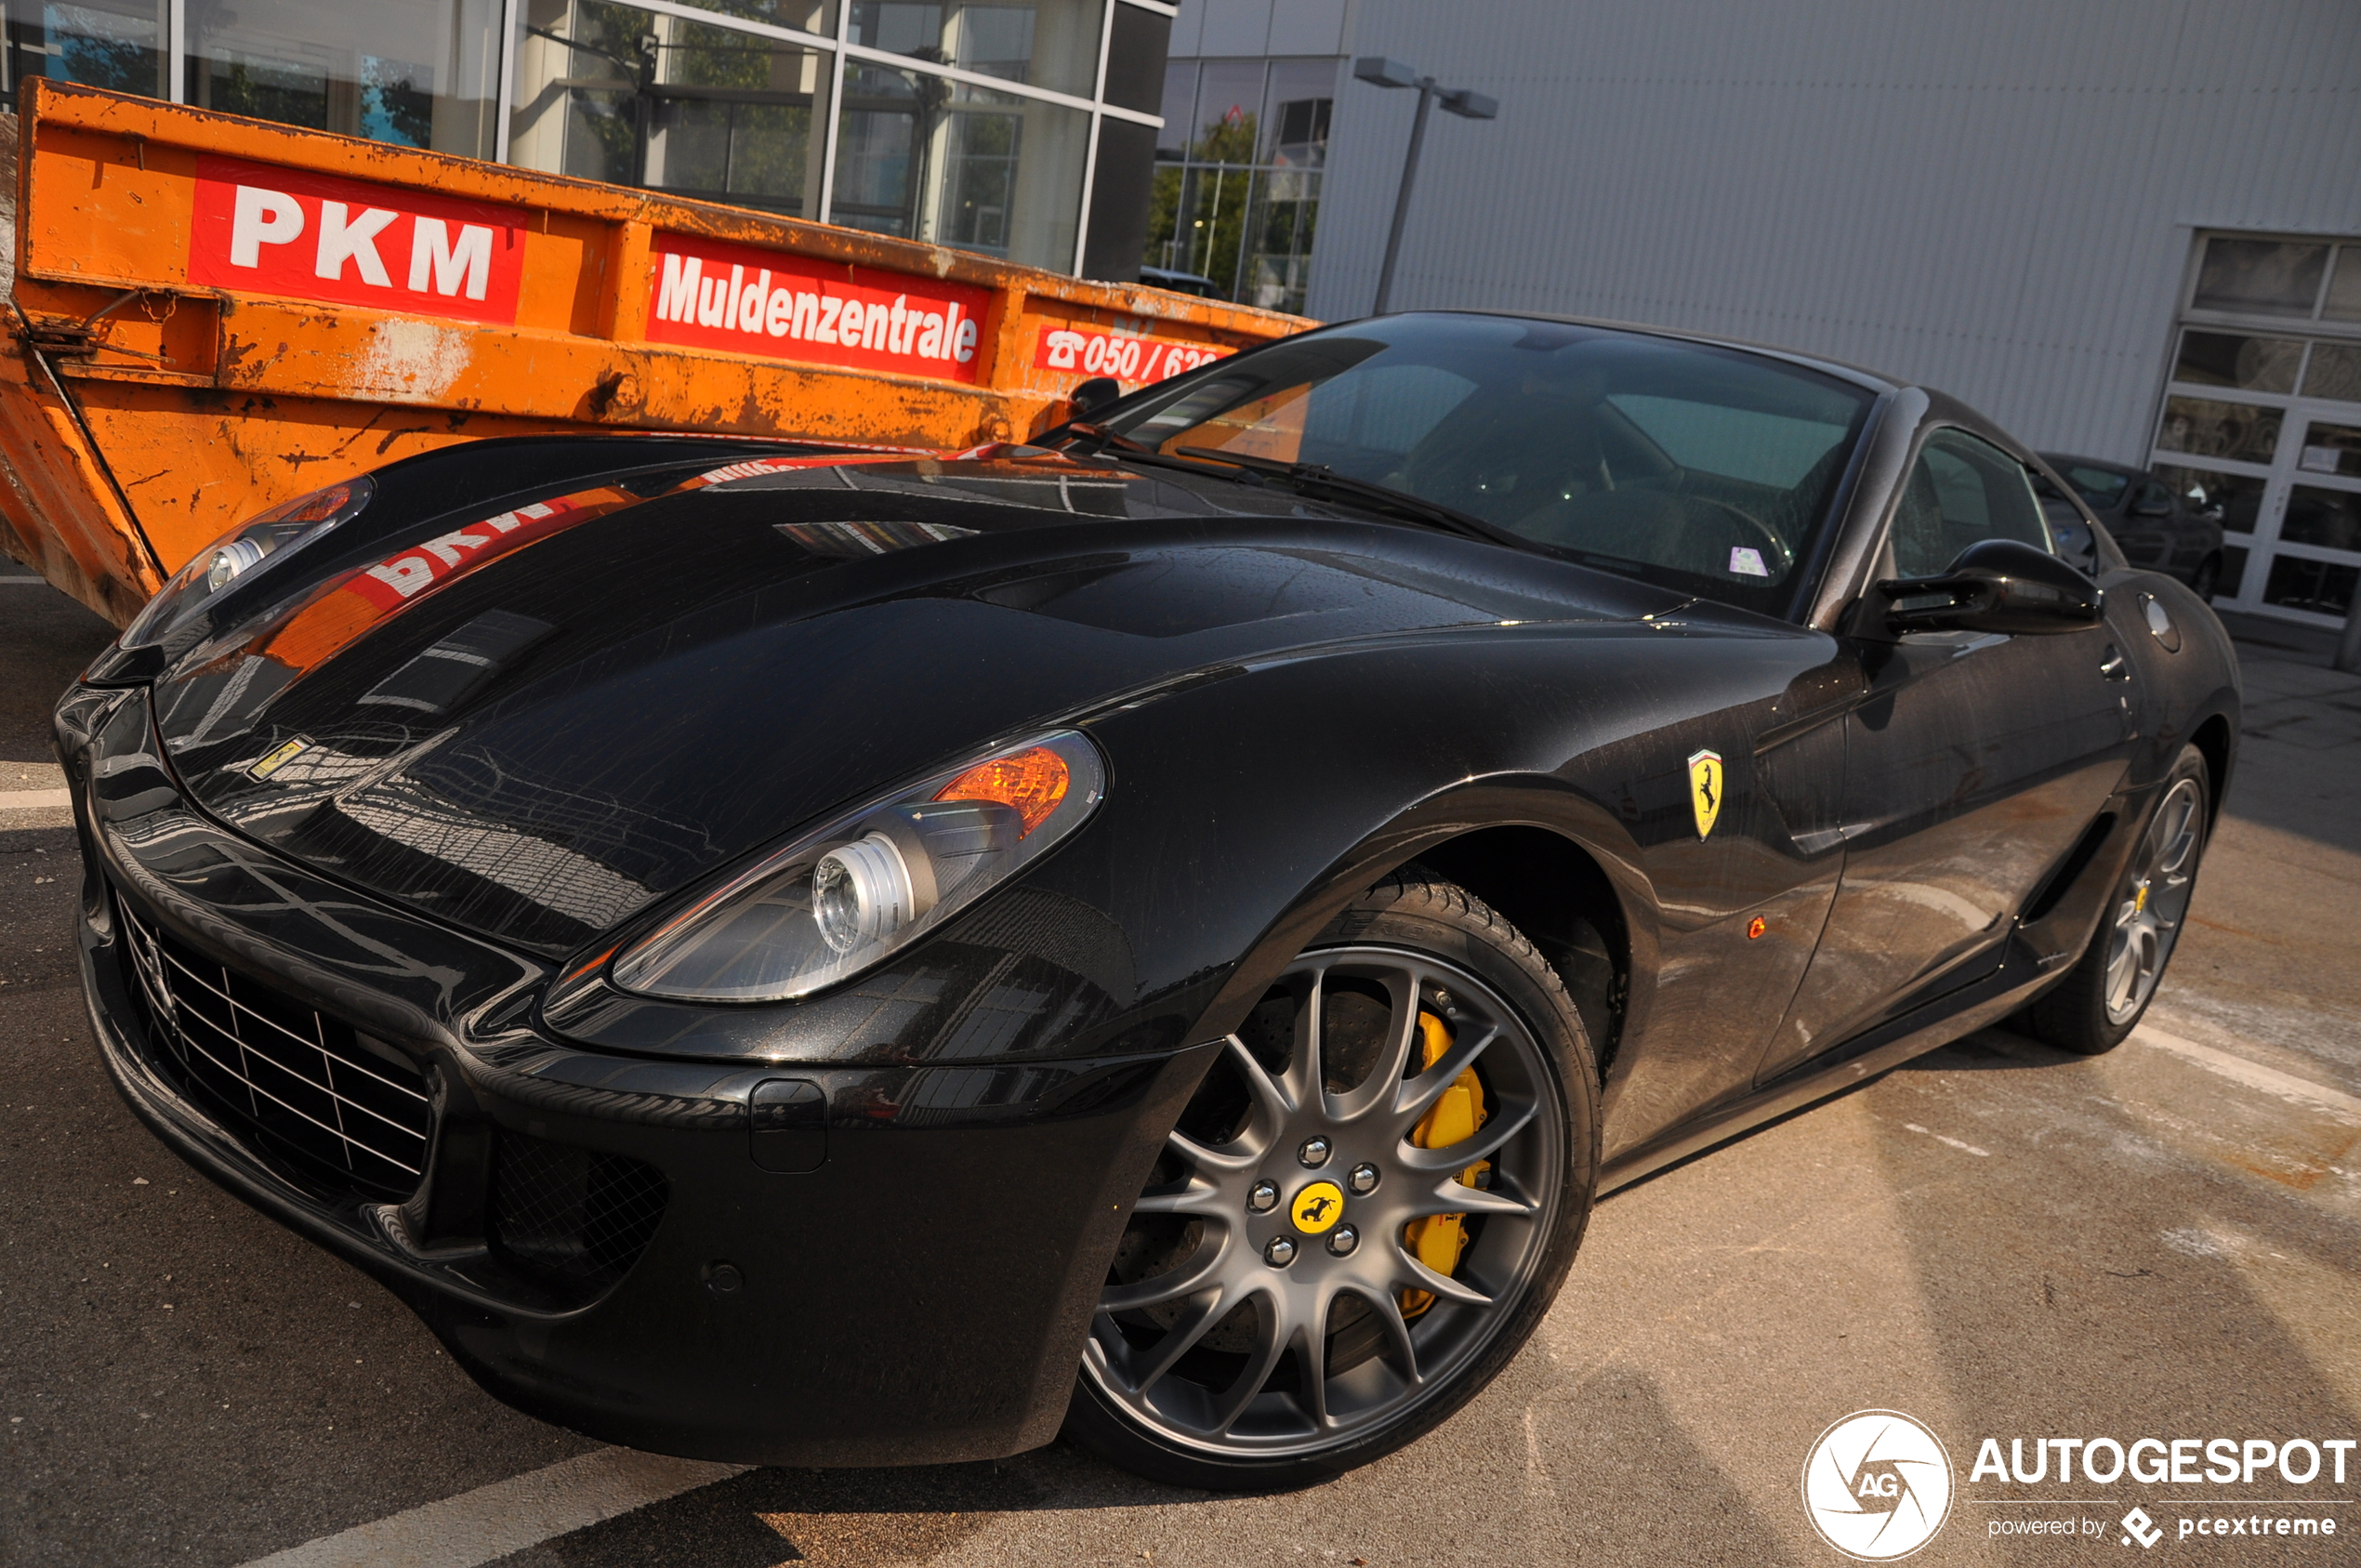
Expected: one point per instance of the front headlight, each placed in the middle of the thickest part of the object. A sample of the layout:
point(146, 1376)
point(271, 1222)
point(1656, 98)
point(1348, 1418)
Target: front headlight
point(836, 902)
point(285, 527)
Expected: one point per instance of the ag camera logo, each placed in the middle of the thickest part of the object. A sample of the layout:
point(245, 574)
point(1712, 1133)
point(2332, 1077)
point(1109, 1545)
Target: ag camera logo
point(1876, 1485)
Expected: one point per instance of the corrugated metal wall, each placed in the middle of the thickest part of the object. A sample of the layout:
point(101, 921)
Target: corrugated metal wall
point(1996, 198)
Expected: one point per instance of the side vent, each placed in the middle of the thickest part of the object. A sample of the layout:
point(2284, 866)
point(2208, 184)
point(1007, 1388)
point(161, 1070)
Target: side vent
point(2069, 870)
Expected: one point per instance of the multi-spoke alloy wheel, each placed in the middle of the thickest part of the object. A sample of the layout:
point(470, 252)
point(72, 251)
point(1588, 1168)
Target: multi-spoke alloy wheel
point(2147, 919)
point(2096, 1006)
point(1361, 1215)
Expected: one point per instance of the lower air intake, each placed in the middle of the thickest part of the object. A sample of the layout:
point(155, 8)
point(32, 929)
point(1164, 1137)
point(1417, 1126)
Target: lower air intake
point(572, 1219)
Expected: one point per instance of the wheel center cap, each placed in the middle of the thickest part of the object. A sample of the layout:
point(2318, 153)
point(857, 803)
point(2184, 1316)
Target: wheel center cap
point(1317, 1207)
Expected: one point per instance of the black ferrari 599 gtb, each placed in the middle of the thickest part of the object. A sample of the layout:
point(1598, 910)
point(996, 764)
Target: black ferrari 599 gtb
point(809, 957)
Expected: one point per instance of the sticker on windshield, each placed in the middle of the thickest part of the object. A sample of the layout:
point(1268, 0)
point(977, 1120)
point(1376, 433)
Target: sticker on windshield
point(1745, 562)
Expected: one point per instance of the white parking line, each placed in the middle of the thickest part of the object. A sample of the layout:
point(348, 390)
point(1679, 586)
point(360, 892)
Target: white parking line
point(35, 799)
point(491, 1522)
point(2253, 1074)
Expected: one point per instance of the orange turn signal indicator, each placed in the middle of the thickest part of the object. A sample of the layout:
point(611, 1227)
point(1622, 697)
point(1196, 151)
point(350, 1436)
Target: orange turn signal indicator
point(1030, 782)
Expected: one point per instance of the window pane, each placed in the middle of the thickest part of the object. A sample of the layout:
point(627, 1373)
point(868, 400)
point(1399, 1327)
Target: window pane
point(2234, 572)
point(925, 158)
point(1962, 491)
point(2236, 497)
point(1179, 107)
point(2330, 449)
point(2206, 429)
point(2317, 585)
point(421, 73)
point(115, 44)
point(2335, 371)
point(1051, 43)
point(1295, 125)
point(1227, 118)
point(611, 92)
point(2330, 518)
point(2268, 277)
point(2222, 359)
point(730, 117)
point(804, 16)
point(2343, 303)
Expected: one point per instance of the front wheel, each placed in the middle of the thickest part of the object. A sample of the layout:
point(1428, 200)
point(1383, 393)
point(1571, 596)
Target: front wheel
point(1362, 1215)
point(2101, 998)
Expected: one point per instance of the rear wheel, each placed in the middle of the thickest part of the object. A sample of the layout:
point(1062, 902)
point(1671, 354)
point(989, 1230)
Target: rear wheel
point(2100, 1002)
point(1363, 1212)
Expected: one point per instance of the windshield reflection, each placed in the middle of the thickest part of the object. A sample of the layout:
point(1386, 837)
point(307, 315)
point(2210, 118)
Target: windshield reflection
point(1693, 466)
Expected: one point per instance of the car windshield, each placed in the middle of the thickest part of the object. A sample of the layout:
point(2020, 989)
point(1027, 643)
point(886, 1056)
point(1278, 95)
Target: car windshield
point(2097, 487)
point(1703, 468)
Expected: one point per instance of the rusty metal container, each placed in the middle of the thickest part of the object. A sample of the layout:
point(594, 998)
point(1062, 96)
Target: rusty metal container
point(213, 314)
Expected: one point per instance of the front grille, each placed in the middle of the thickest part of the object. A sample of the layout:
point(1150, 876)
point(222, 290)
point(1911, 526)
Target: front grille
point(298, 1088)
point(573, 1220)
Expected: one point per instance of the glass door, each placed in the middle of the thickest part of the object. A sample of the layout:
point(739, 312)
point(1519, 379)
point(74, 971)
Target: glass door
point(2261, 421)
point(2313, 510)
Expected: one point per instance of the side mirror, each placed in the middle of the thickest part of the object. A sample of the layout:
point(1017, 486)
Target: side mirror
point(1092, 395)
point(2151, 508)
point(1997, 585)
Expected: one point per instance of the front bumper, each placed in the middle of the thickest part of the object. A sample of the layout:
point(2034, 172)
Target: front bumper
point(922, 1296)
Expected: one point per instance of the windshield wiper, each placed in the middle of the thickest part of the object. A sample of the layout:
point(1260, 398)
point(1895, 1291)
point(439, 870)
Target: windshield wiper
point(1319, 476)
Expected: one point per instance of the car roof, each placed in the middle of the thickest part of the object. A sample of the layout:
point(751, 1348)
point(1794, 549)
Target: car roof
point(2059, 459)
point(1860, 376)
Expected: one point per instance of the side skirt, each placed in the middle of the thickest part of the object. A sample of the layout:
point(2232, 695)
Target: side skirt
point(2022, 971)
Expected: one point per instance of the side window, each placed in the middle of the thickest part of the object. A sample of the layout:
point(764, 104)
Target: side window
point(1962, 491)
point(2153, 496)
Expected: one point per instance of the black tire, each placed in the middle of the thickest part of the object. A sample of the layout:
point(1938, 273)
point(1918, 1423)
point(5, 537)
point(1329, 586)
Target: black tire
point(2093, 1008)
point(1547, 1077)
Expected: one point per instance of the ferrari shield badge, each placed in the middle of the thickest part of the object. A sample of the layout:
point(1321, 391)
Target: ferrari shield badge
point(277, 757)
point(1705, 788)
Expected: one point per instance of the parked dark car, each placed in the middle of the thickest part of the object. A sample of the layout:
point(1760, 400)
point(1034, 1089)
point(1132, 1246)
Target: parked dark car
point(1181, 283)
point(828, 957)
point(2156, 529)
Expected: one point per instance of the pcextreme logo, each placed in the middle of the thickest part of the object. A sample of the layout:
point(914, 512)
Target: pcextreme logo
point(1876, 1485)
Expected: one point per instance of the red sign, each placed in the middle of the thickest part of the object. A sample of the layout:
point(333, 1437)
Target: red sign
point(710, 294)
point(276, 230)
point(1126, 356)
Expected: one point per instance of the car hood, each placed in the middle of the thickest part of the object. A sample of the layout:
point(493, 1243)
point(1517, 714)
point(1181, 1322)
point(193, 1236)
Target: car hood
point(534, 726)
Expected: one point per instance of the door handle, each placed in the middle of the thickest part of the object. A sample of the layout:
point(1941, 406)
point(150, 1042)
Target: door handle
point(2115, 666)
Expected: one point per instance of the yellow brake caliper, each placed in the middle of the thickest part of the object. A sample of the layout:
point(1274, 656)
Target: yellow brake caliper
point(1438, 1240)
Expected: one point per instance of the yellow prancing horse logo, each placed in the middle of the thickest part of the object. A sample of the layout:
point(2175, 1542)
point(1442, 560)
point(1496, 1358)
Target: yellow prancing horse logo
point(1705, 788)
point(1317, 1207)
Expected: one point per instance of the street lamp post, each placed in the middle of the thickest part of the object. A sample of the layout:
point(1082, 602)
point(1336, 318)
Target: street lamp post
point(1379, 71)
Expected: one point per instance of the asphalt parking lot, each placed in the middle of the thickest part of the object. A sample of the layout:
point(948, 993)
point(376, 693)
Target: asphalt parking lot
point(2000, 1240)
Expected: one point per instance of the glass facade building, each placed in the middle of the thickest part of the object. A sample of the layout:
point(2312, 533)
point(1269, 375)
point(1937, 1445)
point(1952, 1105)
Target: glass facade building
point(1236, 197)
point(1019, 128)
